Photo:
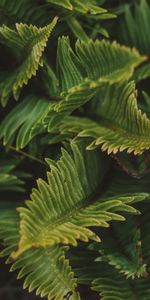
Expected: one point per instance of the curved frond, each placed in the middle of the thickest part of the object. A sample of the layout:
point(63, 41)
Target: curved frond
point(106, 279)
point(144, 226)
point(121, 250)
point(93, 65)
point(142, 73)
point(23, 119)
point(61, 210)
point(120, 125)
point(46, 270)
point(10, 181)
point(17, 10)
point(10, 178)
point(25, 11)
point(29, 43)
point(135, 23)
point(84, 7)
point(118, 287)
point(78, 80)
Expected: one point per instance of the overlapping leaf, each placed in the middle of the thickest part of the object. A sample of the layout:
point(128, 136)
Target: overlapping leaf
point(93, 65)
point(125, 253)
point(84, 7)
point(135, 23)
point(120, 124)
point(8, 180)
point(83, 72)
point(106, 279)
point(117, 287)
point(18, 10)
point(28, 43)
point(142, 73)
point(80, 77)
point(25, 117)
point(61, 210)
point(11, 179)
point(46, 270)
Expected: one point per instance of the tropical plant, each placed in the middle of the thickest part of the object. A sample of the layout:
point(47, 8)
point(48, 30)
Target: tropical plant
point(75, 142)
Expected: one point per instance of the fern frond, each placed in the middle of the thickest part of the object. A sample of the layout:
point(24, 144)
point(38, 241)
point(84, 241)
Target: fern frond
point(15, 10)
point(83, 72)
point(60, 211)
point(11, 182)
point(79, 82)
point(46, 270)
point(23, 119)
point(105, 279)
point(84, 7)
point(122, 183)
point(121, 250)
point(136, 24)
point(142, 73)
point(118, 287)
point(10, 178)
point(144, 227)
point(93, 65)
point(28, 42)
point(120, 123)
point(65, 4)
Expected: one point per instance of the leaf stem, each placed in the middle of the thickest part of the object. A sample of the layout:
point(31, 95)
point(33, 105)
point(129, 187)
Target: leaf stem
point(27, 155)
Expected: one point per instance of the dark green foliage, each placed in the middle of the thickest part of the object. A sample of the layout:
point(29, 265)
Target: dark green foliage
point(75, 141)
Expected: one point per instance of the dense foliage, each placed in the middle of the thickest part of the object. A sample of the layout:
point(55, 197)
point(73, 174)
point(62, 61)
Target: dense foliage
point(75, 142)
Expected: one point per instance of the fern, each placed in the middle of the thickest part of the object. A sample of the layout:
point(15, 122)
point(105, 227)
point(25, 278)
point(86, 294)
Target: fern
point(45, 270)
point(142, 73)
point(28, 113)
point(126, 253)
point(76, 145)
point(72, 82)
point(117, 134)
point(8, 179)
point(96, 272)
point(119, 287)
point(81, 6)
point(81, 214)
point(66, 223)
point(29, 42)
point(78, 89)
point(15, 10)
point(137, 24)
point(138, 288)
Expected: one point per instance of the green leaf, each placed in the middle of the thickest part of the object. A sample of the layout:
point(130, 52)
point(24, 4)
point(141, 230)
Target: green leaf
point(25, 11)
point(120, 123)
point(77, 29)
point(135, 24)
point(93, 65)
point(84, 7)
point(10, 178)
point(78, 83)
point(29, 43)
point(66, 3)
point(46, 270)
point(61, 210)
point(118, 288)
point(83, 72)
point(142, 73)
point(105, 278)
point(23, 119)
point(121, 250)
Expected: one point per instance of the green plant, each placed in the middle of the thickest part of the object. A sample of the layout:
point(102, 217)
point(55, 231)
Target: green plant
point(75, 109)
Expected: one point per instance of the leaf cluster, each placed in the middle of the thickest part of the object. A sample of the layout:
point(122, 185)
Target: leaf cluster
point(75, 142)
